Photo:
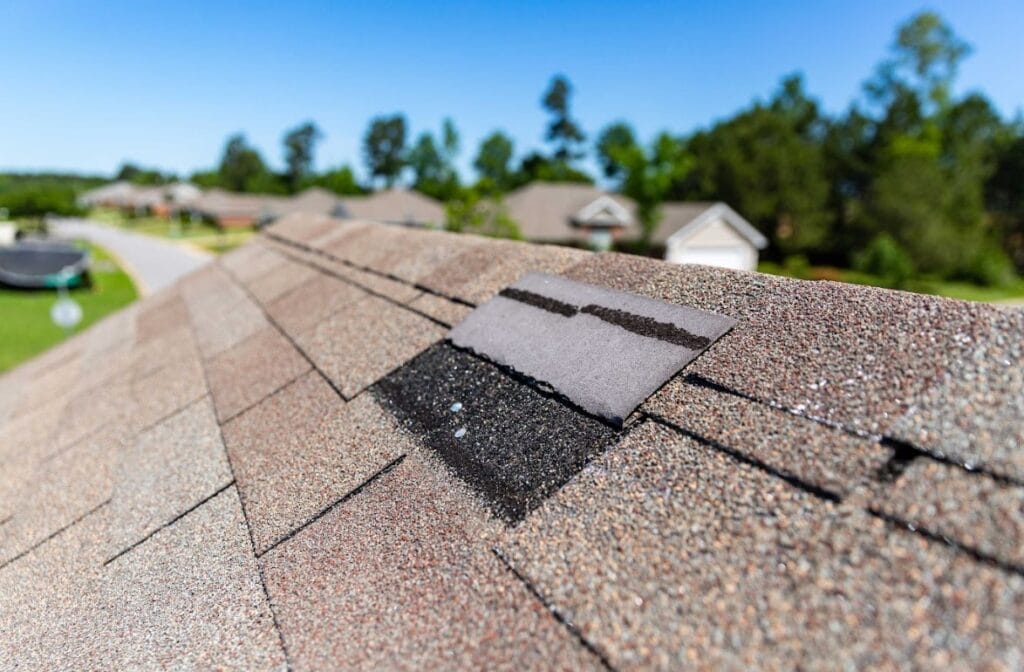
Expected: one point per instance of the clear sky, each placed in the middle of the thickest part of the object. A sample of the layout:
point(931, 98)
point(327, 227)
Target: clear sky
point(87, 85)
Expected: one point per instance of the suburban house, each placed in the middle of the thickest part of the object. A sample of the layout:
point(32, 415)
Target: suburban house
point(161, 200)
point(393, 206)
point(706, 233)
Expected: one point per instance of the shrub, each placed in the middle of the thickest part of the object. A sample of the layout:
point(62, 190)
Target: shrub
point(887, 260)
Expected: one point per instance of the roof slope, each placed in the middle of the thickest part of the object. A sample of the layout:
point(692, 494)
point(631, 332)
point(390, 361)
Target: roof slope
point(265, 465)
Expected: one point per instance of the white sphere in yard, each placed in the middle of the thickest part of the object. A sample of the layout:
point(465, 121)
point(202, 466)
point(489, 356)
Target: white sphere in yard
point(66, 313)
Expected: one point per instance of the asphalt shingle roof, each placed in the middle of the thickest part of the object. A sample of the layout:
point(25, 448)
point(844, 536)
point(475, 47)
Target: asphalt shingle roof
point(282, 461)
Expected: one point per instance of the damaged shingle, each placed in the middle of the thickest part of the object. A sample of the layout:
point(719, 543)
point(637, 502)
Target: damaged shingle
point(606, 351)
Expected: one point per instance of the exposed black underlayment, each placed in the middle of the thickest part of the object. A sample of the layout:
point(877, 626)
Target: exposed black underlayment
point(513, 444)
point(638, 324)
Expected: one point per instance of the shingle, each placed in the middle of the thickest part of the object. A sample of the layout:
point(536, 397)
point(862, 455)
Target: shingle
point(303, 228)
point(813, 453)
point(858, 356)
point(303, 449)
point(969, 508)
point(59, 492)
point(159, 317)
point(363, 341)
point(513, 444)
point(401, 577)
point(190, 598)
point(975, 414)
point(408, 254)
point(164, 472)
point(440, 309)
point(109, 405)
point(281, 280)
point(481, 271)
point(311, 302)
point(251, 262)
point(166, 389)
point(219, 328)
point(605, 350)
point(248, 372)
point(399, 292)
point(666, 553)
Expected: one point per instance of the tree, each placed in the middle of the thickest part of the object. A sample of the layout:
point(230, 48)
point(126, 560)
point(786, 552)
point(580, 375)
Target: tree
point(241, 165)
point(537, 167)
point(767, 162)
point(433, 166)
point(470, 212)
point(646, 176)
point(130, 172)
point(384, 148)
point(563, 132)
point(612, 140)
point(340, 180)
point(493, 161)
point(299, 152)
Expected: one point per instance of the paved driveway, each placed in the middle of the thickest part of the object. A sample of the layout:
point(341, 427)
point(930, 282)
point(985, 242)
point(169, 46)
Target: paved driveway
point(152, 263)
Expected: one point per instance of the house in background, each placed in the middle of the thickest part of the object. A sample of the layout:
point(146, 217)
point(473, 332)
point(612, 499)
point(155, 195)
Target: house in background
point(570, 214)
point(689, 232)
point(393, 206)
point(708, 233)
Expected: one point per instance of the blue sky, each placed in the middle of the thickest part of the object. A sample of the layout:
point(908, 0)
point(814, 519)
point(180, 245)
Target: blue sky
point(88, 85)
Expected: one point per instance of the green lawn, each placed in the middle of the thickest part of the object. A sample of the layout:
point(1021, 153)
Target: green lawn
point(25, 325)
point(201, 234)
point(1010, 292)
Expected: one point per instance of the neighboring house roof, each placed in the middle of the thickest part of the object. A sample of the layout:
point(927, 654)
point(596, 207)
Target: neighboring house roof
point(394, 206)
point(546, 211)
point(106, 193)
point(681, 220)
point(218, 204)
point(315, 201)
point(282, 462)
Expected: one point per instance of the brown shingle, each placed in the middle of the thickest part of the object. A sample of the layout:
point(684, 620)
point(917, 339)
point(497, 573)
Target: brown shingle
point(821, 456)
point(311, 302)
point(59, 492)
point(251, 370)
point(440, 309)
point(164, 472)
point(405, 574)
point(667, 553)
point(190, 598)
point(363, 341)
point(480, 272)
point(841, 352)
point(303, 449)
point(970, 508)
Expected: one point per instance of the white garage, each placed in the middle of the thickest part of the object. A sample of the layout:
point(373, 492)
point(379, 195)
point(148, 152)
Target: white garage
point(712, 235)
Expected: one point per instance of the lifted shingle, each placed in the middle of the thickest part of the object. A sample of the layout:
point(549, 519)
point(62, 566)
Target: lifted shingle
point(606, 351)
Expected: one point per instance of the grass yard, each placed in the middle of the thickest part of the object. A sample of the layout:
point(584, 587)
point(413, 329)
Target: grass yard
point(25, 325)
point(1009, 293)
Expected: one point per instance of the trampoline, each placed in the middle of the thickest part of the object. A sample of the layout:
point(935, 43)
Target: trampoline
point(43, 264)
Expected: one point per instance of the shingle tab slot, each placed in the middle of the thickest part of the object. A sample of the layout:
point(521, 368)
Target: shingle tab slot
point(606, 351)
